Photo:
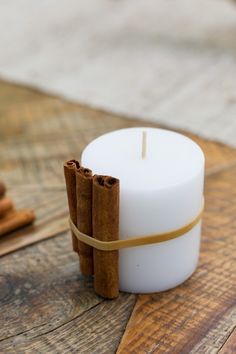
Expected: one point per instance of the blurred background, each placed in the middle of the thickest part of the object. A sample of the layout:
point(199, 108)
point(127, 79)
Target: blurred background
point(166, 61)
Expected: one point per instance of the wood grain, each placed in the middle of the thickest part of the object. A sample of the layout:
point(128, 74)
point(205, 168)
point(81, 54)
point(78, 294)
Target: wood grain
point(178, 321)
point(230, 345)
point(51, 217)
point(43, 131)
point(46, 305)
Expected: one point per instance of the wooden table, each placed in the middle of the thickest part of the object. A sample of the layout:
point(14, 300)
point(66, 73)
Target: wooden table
point(46, 305)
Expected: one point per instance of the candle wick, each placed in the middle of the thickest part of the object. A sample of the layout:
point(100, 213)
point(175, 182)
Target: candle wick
point(144, 144)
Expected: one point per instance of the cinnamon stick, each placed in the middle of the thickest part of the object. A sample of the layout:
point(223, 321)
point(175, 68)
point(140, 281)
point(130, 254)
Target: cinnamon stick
point(6, 205)
point(2, 189)
point(15, 220)
point(70, 178)
point(84, 189)
point(106, 228)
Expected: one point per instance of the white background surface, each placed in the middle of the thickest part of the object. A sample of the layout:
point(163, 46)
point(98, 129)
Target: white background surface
point(172, 62)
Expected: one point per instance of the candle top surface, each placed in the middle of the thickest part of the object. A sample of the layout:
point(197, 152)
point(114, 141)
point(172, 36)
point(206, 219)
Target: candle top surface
point(170, 159)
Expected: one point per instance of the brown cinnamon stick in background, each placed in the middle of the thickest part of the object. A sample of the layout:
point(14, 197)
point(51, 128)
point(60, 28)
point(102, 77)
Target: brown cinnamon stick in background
point(15, 220)
point(84, 189)
point(106, 228)
point(6, 205)
point(2, 189)
point(70, 178)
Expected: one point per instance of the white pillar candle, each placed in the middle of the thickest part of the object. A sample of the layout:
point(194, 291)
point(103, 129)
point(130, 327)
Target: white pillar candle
point(161, 189)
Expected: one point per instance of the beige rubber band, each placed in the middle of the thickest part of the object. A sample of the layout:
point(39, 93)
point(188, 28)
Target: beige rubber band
point(136, 241)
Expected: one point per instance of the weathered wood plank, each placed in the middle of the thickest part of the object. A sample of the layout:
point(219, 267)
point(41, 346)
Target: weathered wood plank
point(217, 334)
point(43, 294)
point(230, 345)
point(41, 288)
point(44, 285)
point(98, 330)
point(178, 321)
point(57, 310)
point(43, 131)
point(51, 212)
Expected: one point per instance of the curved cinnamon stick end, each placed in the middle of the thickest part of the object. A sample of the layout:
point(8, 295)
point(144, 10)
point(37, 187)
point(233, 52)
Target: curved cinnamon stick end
point(84, 172)
point(27, 216)
point(99, 180)
point(2, 189)
point(15, 220)
point(106, 181)
point(72, 164)
point(111, 182)
point(70, 178)
point(6, 205)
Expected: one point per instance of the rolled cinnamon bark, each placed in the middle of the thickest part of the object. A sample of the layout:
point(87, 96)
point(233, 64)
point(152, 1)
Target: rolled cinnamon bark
point(2, 189)
point(84, 189)
point(6, 205)
point(106, 228)
point(15, 220)
point(70, 178)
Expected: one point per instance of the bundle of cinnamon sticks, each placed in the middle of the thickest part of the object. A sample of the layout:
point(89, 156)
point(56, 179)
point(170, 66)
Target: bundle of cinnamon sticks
point(94, 208)
point(11, 219)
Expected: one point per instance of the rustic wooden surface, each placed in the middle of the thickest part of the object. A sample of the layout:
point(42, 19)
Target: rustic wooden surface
point(46, 305)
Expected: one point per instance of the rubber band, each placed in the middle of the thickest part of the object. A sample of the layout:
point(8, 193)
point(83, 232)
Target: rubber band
point(135, 241)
